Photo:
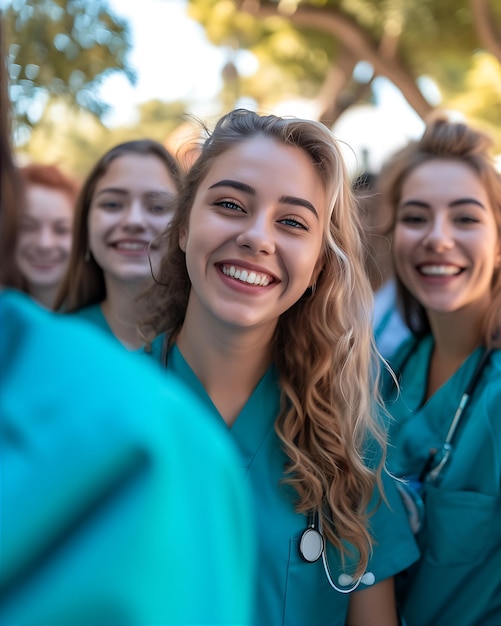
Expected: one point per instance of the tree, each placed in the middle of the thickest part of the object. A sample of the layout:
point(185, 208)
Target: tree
point(485, 22)
point(75, 139)
point(311, 47)
point(61, 50)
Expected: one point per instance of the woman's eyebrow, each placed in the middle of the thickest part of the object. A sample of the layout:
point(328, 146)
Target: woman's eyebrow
point(452, 204)
point(235, 184)
point(412, 202)
point(112, 190)
point(299, 202)
point(461, 201)
point(166, 195)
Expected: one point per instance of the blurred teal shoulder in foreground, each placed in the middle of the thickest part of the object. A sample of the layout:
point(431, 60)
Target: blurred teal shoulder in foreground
point(122, 502)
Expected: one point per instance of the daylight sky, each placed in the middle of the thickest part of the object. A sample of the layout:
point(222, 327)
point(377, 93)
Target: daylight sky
point(171, 55)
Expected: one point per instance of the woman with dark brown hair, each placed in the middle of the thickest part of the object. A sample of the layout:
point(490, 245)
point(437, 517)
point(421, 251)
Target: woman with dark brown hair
point(126, 201)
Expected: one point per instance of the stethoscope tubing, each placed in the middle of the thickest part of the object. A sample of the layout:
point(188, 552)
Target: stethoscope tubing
point(314, 532)
point(429, 473)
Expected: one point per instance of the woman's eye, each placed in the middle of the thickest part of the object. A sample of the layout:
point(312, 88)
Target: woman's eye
point(467, 219)
point(295, 223)
point(229, 204)
point(159, 203)
point(62, 230)
point(110, 205)
point(160, 209)
point(412, 219)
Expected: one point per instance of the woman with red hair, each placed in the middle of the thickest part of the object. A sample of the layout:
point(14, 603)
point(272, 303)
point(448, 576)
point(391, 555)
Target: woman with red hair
point(44, 230)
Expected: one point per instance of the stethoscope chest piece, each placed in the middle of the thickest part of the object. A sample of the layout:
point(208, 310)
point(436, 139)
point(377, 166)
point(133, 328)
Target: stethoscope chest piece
point(311, 545)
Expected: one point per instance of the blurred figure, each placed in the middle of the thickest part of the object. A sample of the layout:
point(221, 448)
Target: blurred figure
point(114, 510)
point(43, 242)
point(445, 435)
point(389, 327)
point(126, 201)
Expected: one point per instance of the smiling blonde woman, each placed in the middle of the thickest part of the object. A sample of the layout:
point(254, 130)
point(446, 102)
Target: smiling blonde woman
point(267, 310)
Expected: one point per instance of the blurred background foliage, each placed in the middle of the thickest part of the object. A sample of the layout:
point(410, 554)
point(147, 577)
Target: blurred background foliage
point(313, 48)
point(59, 52)
point(443, 53)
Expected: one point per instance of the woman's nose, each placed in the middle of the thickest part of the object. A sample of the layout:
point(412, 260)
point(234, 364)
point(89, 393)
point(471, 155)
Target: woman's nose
point(46, 238)
point(257, 235)
point(439, 236)
point(134, 215)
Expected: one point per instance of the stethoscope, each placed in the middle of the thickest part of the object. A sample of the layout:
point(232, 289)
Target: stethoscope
point(437, 460)
point(411, 488)
point(312, 548)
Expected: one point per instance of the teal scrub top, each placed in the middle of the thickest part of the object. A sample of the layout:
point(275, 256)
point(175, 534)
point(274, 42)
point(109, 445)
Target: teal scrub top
point(94, 315)
point(291, 591)
point(122, 502)
point(457, 582)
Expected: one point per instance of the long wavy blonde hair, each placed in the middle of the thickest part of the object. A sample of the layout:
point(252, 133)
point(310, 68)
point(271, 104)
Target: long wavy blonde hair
point(323, 346)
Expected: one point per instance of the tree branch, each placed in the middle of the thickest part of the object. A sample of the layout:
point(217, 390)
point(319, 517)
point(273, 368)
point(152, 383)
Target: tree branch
point(484, 24)
point(352, 37)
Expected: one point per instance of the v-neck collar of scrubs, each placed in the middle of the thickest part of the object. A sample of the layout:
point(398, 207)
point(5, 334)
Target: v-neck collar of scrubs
point(426, 425)
point(418, 363)
point(257, 416)
point(93, 313)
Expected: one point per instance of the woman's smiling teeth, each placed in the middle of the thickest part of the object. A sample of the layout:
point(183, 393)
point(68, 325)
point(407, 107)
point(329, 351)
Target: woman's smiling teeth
point(131, 245)
point(440, 270)
point(250, 278)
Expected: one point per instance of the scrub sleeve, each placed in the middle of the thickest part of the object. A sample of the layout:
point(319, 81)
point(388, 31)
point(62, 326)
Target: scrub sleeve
point(458, 579)
point(115, 508)
point(289, 590)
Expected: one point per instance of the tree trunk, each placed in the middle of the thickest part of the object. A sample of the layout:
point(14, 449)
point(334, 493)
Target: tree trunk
point(334, 97)
point(485, 26)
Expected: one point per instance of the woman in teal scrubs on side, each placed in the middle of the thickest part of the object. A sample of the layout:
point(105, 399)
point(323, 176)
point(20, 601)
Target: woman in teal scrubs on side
point(446, 196)
point(268, 313)
point(125, 202)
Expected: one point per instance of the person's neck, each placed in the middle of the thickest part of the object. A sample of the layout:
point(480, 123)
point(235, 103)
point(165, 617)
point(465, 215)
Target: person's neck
point(228, 362)
point(46, 296)
point(124, 311)
point(455, 336)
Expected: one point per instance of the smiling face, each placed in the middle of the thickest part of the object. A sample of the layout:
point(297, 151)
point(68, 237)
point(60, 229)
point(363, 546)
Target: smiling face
point(255, 234)
point(132, 203)
point(446, 245)
point(45, 235)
